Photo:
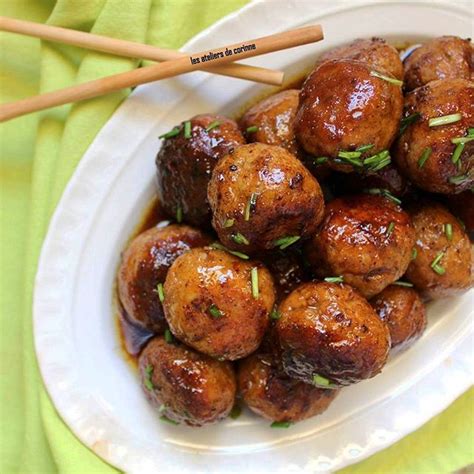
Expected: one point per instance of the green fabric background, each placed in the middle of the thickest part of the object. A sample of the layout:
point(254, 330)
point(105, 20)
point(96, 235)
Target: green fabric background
point(38, 155)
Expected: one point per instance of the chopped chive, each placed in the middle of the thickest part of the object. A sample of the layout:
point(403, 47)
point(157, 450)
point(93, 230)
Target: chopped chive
point(392, 80)
point(252, 129)
point(147, 380)
point(459, 140)
point(382, 164)
point(275, 314)
point(414, 253)
point(250, 206)
point(238, 238)
point(383, 192)
point(378, 161)
point(254, 279)
point(284, 242)
point(215, 312)
point(363, 148)
point(179, 214)
point(390, 228)
point(424, 156)
point(403, 283)
point(448, 230)
point(444, 120)
point(281, 424)
point(212, 125)
point(161, 292)
point(407, 121)
point(354, 161)
point(460, 179)
point(187, 129)
point(172, 133)
point(320, 160)
point(349, 154)
point(235, 412)
point(168, 420)
point(320, 380)
point(435, 264)
point(228, 223)
point(162, 408)
point(169, 337)
point(338, 279)
point(219, 246)
point(438, 269)
point(457, 152)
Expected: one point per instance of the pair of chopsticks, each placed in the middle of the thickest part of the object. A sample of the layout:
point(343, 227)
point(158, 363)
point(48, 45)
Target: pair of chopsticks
point(175, 62)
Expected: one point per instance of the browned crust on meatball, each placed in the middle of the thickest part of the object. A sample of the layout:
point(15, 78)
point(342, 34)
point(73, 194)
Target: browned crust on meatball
point(430, 220)
point(272, 394)
point(274, 118)
point(184, 165)
point(330, 330)
point(404, 313)
point(438, 173)
point(186, 386)
point(288, 199)
point(365, 111)
point(446, 57)
point(205, 278)
point(145, 263)
point(375, 52)
point(368, 240)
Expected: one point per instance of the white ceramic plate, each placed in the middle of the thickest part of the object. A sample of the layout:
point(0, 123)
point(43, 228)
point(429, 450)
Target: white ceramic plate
point(92, 386)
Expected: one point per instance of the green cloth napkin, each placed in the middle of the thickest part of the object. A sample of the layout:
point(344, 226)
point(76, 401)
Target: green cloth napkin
point(38, 155)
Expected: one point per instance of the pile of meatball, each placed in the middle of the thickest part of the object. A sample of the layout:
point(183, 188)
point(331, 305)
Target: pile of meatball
point(304, 240)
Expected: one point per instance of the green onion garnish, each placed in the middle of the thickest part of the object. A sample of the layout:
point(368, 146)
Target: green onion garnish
point(187, 129)
point(457, 152)
point(252, 129)
point(238, 238)
point(414, 253)
point(284, 242)
point(215, 312)
point(403, 283)
point(392, 80)
point(339, 279)
point(390, 228)
point(235, 412)
point(169, 337)
point(275, 314)
point(378, 161)
point(179, 214)
point(363, 148)
point(320, 380)
point(460, 179)
point(212, 125)
point(281, 424)
point(228, 223)
point(172, 133)
point(161, 292)
point(439, 269)
point(444, 120)
point(464, 140)
point(147, 380)
point(250, 206)
point(219, 246)
point(424, 156)
point(435, 264)
point(168, 420)
point(320, 160)
point(407, 121)
point(254, 279)
point(448, 230)
point(349, 154)
point(383, 192)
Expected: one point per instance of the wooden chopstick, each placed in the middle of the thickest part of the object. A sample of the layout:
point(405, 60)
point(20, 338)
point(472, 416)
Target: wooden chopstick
point(131, 49)
point(105, 85)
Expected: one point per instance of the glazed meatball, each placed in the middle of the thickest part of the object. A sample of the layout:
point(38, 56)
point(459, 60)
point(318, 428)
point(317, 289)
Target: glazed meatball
point(365, 239)
point(462, 206)
point(446, 57)
point(425, 151)
point(218, 303)
point(375, 52)
point(404, 313)
point(262, 197)
point(345, 109)
point(270, 393)
point(145, 264)
point(188, 387)
point(273, 117)
point(443, 263)
point(185, 163)
point(330, 336)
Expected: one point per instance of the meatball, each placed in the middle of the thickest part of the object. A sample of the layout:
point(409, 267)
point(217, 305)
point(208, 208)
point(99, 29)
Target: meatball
point(375, 52)
point(145, 264)
point(442, 111)
point(270, 393)
point(186, 386)
point(365, 239)
point(443, 262)
point(262, 197)
point(330, 336)
point(273, 119)
point(446, 57)
point(217, 303)
point(185, 163)
point(404, 313)
point(462, 206)
point(347, 114)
